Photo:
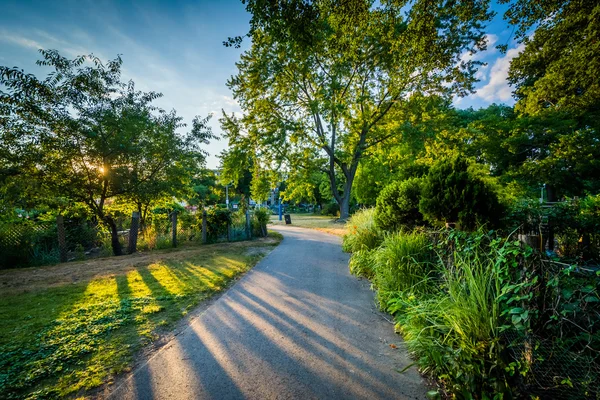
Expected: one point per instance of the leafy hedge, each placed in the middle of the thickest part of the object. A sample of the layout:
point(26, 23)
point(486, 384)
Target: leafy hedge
point(363, 233)
point(453, 194)
point(398, 205)
point(217, 221)
point(486, 315)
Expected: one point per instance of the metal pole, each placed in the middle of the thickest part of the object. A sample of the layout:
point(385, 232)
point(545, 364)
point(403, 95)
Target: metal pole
point(227, 196)
point(204, 227)
point(280, 211)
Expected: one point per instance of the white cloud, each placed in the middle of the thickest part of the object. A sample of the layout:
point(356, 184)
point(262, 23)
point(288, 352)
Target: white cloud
point(20, 41)
point(184, 89)
point(497, 88)
point(491, 39)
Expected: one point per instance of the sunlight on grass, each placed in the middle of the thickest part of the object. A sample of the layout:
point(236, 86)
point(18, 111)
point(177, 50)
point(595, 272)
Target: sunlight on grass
point(319, 222)
point(63, 340)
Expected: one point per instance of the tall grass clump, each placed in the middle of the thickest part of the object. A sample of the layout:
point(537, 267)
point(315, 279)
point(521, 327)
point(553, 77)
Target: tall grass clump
point(363, 233)
point(454, 331)
point(362, 262)
point(403, 263)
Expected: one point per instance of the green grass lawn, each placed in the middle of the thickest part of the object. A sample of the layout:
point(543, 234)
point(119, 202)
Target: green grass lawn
point(66, 338)
point(319, 222)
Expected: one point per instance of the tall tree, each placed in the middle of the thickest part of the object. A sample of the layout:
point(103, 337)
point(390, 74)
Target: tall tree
point(559, 68)
point(315, 93)
point(83, 134)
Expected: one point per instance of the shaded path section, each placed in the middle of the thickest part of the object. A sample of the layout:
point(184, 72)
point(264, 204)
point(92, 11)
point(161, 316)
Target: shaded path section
point(297, 326)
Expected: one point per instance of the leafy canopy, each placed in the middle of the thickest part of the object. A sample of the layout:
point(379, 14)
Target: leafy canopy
point(318, 101)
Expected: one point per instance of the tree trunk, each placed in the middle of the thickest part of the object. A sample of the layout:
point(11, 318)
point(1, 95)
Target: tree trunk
point(345, 207)
point(345, 198)
point(114, 236)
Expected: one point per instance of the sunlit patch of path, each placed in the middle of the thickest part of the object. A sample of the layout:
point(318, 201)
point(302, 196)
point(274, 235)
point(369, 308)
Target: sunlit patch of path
point(297, 326)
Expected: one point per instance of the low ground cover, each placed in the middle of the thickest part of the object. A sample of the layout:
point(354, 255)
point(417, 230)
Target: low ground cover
point(312, 221)
point(66, 330)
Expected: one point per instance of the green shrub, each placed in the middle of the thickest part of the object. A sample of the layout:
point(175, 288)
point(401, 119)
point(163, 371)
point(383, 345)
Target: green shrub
point(454, 330)
point(332, 209)
point(363, 233)
point(28, 243)
point(398, 205)
point(454, 333)
point(216, 223)
point(453, 194)
point(362, 262)
point(259, 221)
point(403, 263)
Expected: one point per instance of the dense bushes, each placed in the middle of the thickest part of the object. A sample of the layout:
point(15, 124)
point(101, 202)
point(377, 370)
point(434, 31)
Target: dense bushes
point(28, 243)
point(402, 263)
point(398, 205)
point(332, 209)
point(260, 219)
point(363, 233)
point(451, 193)
point(486, 315)
point(217, 221)
point(574, 223)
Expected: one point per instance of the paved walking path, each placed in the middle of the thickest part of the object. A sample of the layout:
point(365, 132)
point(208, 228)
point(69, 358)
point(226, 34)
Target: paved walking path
point(298, 326)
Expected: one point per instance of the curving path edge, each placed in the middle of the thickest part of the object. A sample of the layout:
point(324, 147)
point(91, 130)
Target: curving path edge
point(297, 326)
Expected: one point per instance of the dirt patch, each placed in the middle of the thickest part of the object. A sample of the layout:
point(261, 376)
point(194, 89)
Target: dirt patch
point(27, 279)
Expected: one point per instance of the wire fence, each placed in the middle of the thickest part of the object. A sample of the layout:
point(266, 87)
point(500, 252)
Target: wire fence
point(554, 370)
point(34, 243)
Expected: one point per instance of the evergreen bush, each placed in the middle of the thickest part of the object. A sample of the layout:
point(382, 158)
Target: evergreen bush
point(398, 205)
point(451, 193)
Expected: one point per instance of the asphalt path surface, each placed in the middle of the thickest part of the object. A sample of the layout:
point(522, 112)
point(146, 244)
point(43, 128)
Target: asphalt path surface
point(298, 326)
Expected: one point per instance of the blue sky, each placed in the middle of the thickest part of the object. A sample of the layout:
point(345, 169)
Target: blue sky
point(175, 47)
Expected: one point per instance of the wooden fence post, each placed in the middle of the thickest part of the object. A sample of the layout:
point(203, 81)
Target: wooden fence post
point(133, 232)
point(248, 225)
point(174, 228)
point(204, 232)
point(62, 239)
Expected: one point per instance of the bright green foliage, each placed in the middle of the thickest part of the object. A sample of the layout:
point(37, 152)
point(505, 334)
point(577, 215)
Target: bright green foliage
point(260, 219)
point(398, 205)
point(484, 315)
point(452, 193)
point(217, 221)
point(60, 341)
point(403, 263)
point(362, 263)
point(83, 135)
point(454, 331)
point(362, 234)
point(559, 66)
point(319, 101)
point(206, 190)
point(262, 183)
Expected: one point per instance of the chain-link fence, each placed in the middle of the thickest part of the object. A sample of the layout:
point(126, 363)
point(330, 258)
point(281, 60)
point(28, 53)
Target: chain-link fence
point(555, 370)
point(31, 243)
